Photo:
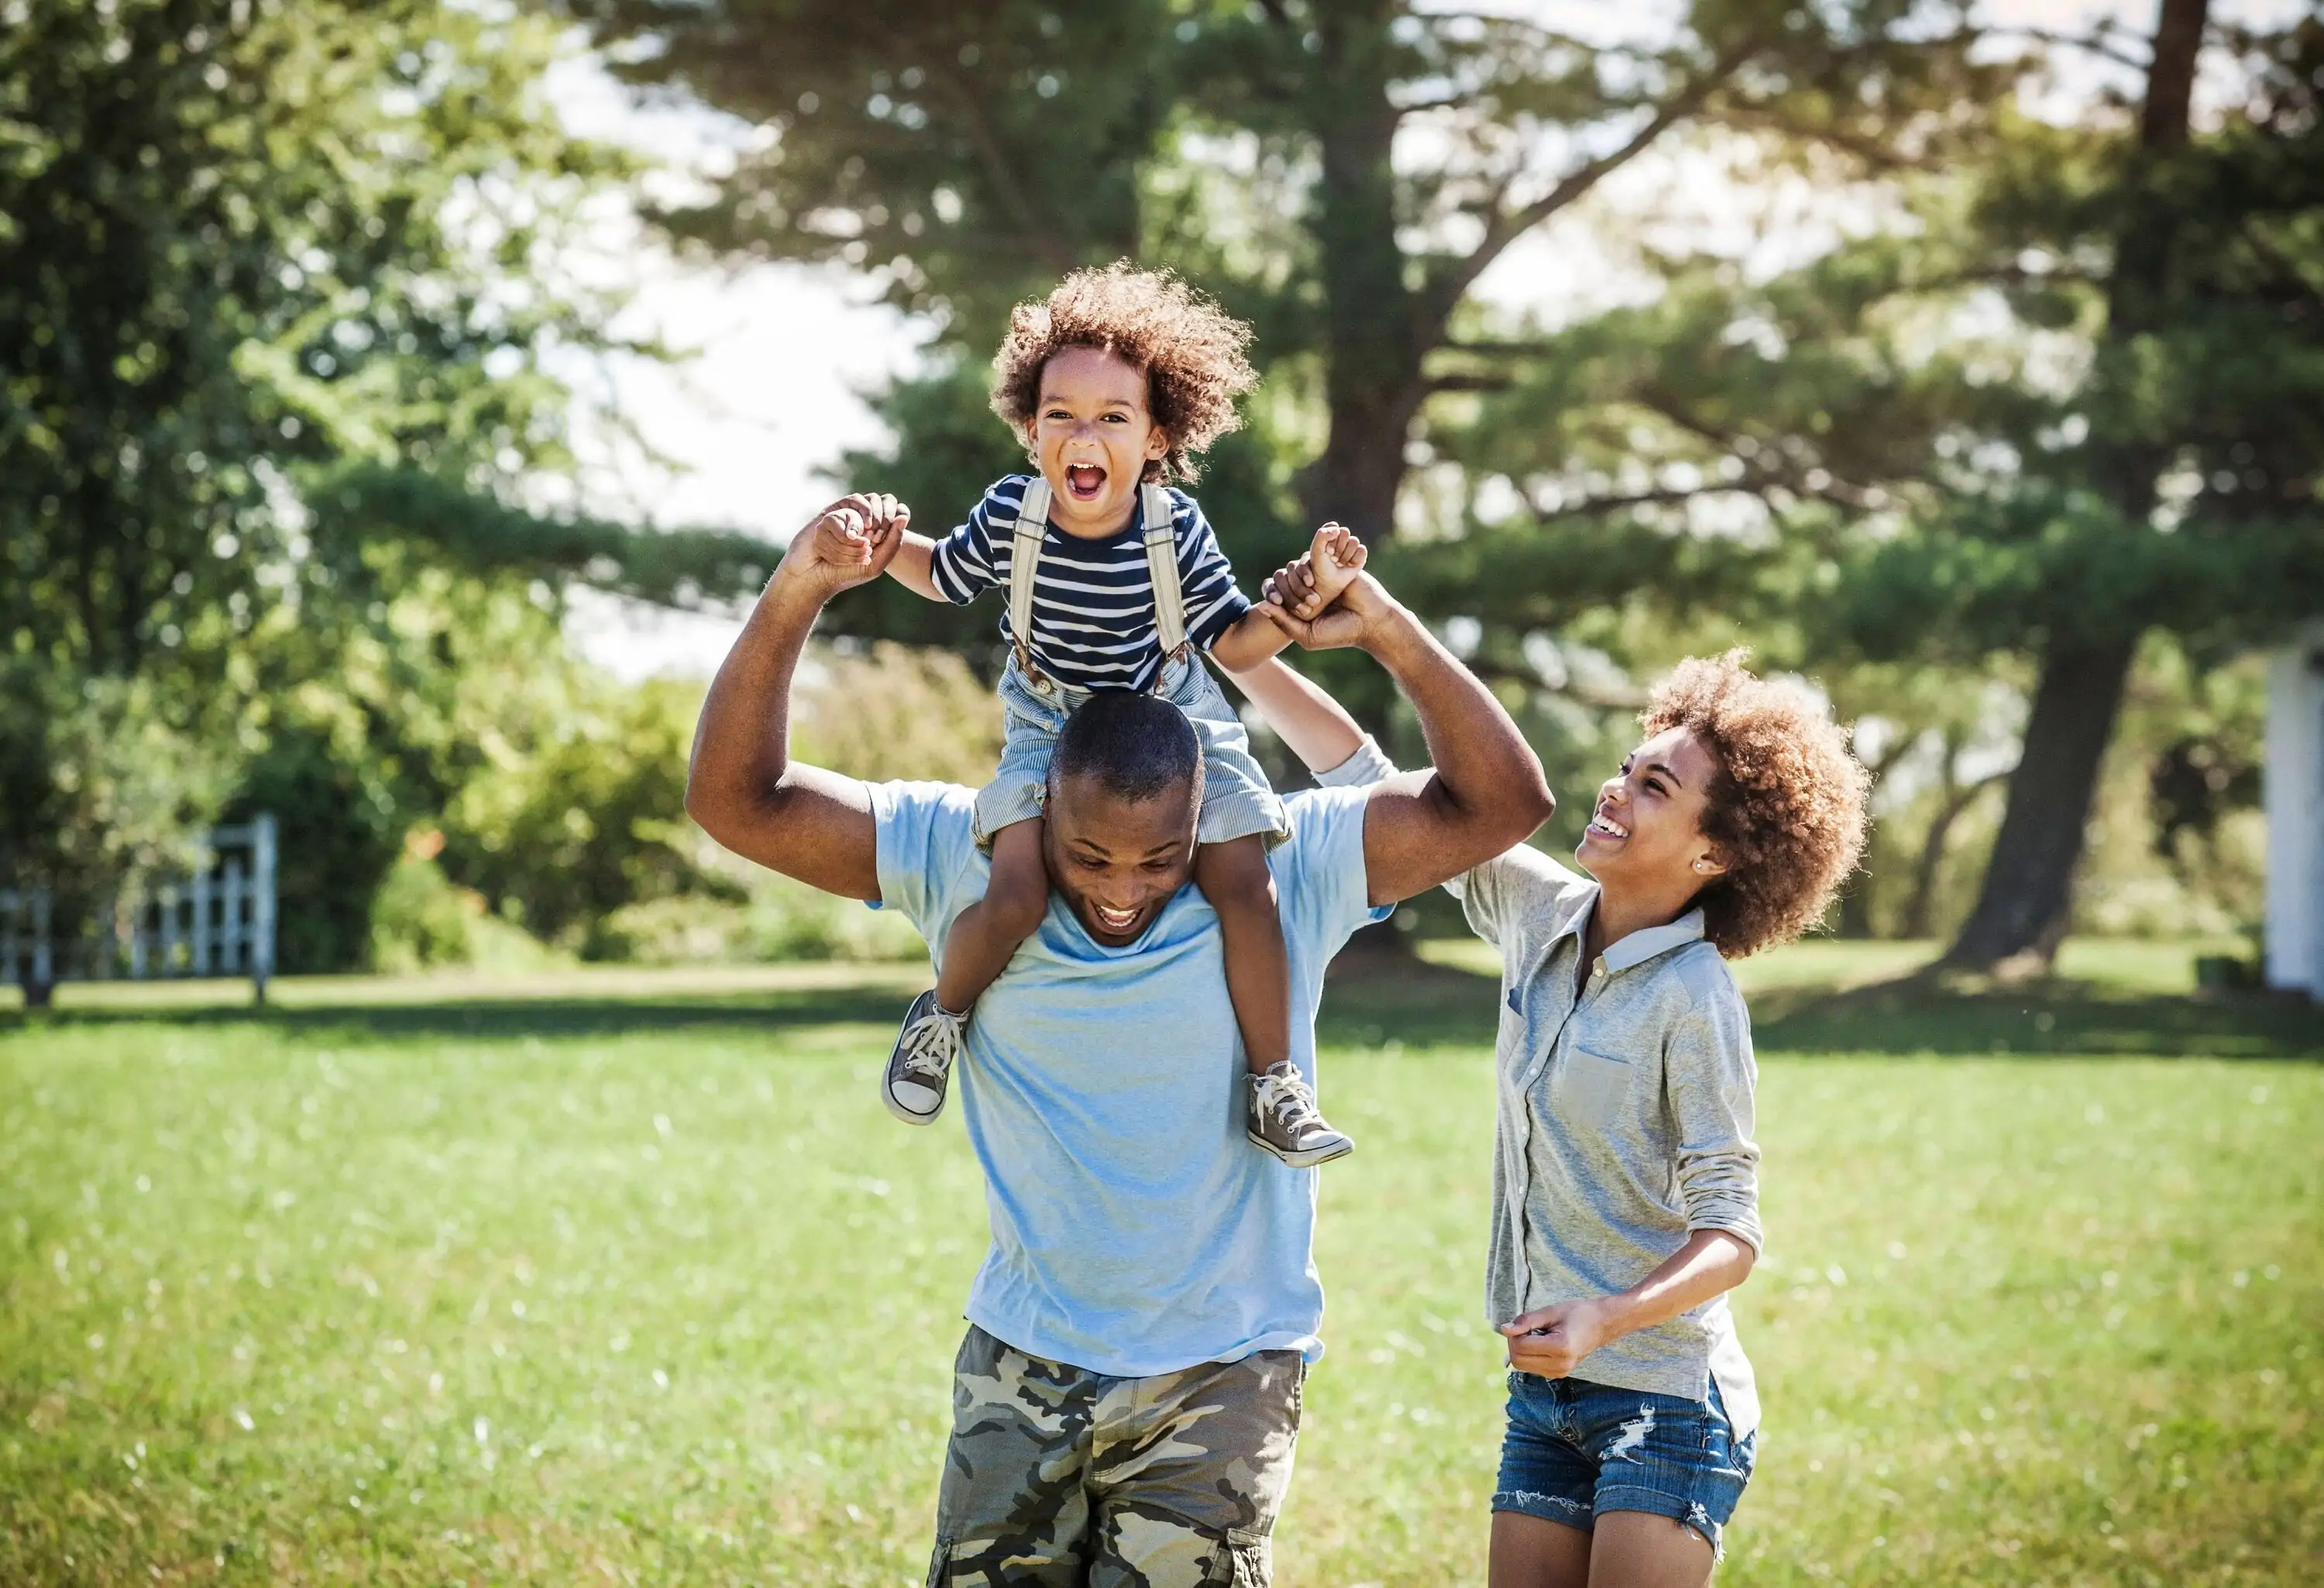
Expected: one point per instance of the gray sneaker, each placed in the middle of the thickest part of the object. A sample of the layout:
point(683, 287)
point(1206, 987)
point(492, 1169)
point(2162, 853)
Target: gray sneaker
point(920, 1064)
point(1284, 1122)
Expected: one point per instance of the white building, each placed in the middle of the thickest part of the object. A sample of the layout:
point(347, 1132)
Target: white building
point(2295, 814)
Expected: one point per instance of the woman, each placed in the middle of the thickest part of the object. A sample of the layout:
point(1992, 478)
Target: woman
point(1625, 1180)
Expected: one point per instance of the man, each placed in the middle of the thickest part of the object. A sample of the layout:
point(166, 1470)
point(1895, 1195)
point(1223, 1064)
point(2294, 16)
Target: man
point(1127, 1397)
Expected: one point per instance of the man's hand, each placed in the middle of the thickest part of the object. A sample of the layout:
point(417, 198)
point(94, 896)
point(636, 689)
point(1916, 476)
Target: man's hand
point(1356, 614)
point(849, 543)
point(1551, 1341)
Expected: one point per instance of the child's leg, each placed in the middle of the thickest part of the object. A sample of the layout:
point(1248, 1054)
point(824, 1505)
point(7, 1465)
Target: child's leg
point(1234, 877)
point(985, 934)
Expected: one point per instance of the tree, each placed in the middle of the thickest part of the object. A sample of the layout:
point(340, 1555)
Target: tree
point(2073, 401)
point(242, 244)
point(1342, 175)
point(2196, 268)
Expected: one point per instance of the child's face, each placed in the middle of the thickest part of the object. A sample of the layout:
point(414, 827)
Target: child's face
point(1093, 437)
point(1645, 834)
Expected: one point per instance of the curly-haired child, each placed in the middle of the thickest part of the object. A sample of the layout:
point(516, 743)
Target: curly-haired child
point(1116, 384)
point(1626, 1197)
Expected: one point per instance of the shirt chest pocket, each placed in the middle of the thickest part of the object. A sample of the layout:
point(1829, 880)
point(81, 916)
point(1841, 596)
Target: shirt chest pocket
point(1592, 1087)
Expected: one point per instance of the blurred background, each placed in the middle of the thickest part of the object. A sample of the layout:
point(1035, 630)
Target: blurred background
point(400, 402)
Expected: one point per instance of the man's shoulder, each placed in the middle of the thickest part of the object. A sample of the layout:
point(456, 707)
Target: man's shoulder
point(922, 814)
point(1326, 804)
point(1326, 830)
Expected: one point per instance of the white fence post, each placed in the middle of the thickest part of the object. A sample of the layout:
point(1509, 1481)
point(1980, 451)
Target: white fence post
point(200, 893)
point(44, 962)
point(233, 928)
point(261, 912)
point(173, 928)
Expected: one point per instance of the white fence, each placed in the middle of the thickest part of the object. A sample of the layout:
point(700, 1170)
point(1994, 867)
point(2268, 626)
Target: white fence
point(217, 922)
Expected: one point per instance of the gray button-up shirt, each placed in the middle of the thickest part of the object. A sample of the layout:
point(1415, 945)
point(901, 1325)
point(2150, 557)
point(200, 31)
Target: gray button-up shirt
point(1624, 1122)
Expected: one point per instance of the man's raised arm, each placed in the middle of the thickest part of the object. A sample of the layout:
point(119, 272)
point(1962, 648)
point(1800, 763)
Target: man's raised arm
point(741, 786)
point(1486, 792)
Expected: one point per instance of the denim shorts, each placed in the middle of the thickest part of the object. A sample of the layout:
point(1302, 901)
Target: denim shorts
point(1237, 800)
point(1575, 1449)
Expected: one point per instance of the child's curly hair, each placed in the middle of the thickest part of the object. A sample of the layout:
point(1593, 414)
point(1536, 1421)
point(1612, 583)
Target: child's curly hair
point(1785, 808)
point(1191, 350)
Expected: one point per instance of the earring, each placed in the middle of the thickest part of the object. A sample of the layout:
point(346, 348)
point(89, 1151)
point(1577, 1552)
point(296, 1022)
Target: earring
point(1702, 865)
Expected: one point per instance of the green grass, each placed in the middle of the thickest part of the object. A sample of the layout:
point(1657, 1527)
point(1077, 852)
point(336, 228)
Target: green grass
point(631, 1279)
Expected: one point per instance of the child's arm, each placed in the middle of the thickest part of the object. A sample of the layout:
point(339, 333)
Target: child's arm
point(1334, 558)
point(913, 566)
point(969, 564)
point(1250, 642)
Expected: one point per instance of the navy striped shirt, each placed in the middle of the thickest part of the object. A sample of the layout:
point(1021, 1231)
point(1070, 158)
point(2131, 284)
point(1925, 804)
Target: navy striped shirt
point(1093, 600)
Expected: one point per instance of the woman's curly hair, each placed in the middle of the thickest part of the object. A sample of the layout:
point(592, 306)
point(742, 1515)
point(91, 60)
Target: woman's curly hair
point(1191, 350)
point(1785, 808)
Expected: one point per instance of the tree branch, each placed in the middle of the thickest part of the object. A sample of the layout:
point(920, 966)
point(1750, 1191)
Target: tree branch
point(1489, 348)
point(1458, 382)
point(1507, 226)
point(2094, 44)
point(1042, 239)
point(1541, 35)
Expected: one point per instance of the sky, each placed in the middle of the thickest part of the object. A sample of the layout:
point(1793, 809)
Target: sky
point(775, 358)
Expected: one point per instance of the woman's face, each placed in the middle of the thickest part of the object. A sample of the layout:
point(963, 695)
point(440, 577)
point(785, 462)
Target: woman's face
point(1646, 833)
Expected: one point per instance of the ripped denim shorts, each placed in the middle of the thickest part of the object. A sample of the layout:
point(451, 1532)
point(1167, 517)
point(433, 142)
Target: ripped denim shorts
point(1575, 1449)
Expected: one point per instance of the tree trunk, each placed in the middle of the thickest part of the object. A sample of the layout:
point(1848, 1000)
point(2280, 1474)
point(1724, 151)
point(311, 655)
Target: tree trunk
point(2023, 905)
point(1372, 356)
point(1921, 906)
point(1371, 360)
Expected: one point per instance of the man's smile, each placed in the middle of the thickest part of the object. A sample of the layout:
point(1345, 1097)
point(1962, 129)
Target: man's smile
point(1115, 921)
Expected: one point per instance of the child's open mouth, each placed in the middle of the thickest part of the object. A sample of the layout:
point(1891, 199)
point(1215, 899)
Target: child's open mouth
point(1085, 481)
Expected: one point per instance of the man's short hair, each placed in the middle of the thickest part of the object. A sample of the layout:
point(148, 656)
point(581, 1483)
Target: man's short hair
point(1136, 746)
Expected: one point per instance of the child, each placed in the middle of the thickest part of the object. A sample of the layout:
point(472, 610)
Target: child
point(1116, 384)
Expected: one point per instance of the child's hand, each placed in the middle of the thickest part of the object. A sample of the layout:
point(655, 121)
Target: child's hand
point(849, 543)
point(1305, 587)
point(1334, 560)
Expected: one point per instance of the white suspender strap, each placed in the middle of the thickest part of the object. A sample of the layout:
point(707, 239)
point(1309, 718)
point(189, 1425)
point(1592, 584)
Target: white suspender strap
point(1162, 568)
point(1025, 564)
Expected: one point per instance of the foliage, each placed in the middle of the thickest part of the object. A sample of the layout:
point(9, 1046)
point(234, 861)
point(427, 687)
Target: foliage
point(418, 919)
point(527, 1292)
point(240, 241)
point(888, 711)
point(1341, 176)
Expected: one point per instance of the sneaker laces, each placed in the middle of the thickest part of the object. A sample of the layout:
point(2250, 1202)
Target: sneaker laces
point(1285, 1099)
point(930, 1045)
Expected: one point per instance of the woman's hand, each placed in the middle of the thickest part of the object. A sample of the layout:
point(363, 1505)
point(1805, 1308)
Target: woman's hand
point(1550, 1341)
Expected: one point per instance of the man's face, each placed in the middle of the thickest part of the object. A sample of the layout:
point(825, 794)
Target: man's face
point(1118, 861)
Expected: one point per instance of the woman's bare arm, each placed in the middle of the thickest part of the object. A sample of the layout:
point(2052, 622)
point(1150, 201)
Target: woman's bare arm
point(1318, 728)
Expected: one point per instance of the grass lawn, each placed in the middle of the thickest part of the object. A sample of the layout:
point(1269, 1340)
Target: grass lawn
point(631, 1279)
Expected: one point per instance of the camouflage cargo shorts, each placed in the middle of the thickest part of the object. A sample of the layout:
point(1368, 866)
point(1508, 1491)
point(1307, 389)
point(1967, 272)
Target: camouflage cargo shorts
point(1056, 1475)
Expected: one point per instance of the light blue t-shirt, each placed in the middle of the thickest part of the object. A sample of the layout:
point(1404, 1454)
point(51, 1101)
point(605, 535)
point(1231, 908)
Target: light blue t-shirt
point(1134, 1230)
